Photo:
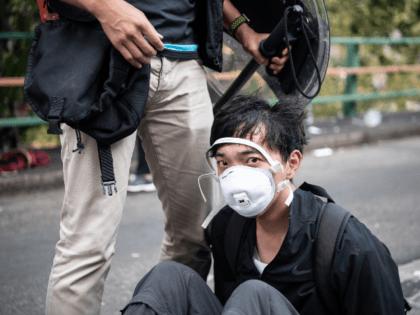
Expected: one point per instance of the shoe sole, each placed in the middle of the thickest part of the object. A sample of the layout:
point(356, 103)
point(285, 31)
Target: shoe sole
point(139, 188)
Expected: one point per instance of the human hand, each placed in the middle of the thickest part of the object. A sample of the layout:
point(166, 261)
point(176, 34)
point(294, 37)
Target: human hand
point(277, 63)
point(251, 40)
point(126, 27)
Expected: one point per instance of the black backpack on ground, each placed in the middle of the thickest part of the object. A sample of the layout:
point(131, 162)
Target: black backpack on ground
point(76, 76)
point(332, 224)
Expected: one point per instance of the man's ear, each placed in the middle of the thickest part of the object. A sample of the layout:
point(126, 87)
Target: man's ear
point(293, 162)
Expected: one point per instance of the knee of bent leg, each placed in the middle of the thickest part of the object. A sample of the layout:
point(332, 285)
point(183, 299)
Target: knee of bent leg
point(171, 268)
point(168, 273)
point(252, 287)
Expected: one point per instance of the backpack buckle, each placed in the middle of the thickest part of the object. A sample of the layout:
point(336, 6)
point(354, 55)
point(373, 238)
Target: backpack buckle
point(407, 306)
point(54, 127)
point(109, 185)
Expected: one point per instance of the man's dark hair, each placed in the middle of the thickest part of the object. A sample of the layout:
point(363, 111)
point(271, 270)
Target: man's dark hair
point(244, 115)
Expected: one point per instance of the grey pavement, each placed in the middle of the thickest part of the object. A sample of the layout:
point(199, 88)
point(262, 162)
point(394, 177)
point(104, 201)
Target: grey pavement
point(376, 180)
point(345, 132)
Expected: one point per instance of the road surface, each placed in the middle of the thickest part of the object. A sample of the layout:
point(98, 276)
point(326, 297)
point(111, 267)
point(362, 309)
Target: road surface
point(379, 184)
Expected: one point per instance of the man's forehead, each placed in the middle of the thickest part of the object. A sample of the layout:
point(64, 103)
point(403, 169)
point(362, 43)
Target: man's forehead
point(241, 148)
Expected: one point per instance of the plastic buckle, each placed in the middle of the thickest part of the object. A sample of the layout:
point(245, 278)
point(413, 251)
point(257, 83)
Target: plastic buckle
point(407, 306)
point(109, 185)
point(54, 127)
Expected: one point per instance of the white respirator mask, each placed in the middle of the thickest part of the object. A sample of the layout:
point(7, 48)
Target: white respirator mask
point(247, 190)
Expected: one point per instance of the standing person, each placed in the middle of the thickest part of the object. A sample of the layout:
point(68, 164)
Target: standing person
point(142, 180)
point(175, 131)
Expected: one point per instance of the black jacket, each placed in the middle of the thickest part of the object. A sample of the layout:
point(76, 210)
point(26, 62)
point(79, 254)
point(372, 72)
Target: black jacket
point(364, 274)
point(210, 33)
point(208, 26)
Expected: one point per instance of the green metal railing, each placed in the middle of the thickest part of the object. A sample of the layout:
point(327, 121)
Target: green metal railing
point(348, 99)
point(17, 35)
point(21, 122)
point(350, 95)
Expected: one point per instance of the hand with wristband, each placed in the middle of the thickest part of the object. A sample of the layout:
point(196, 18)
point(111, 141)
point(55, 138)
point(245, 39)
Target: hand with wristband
point(239, 27)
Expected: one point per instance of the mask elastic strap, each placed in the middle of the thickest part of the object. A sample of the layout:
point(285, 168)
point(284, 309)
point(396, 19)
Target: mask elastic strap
point(209, 162)
point(281, 186)
point(217, 207)
point(212, 214)
point(275, 165)
point(203, 176)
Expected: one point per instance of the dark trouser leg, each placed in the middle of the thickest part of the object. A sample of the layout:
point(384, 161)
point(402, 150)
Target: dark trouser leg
point(258, 298)
point(173, 289)
point(142, 167)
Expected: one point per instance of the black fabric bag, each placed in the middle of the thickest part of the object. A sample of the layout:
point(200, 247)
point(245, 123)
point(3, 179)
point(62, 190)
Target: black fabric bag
point(75, 76)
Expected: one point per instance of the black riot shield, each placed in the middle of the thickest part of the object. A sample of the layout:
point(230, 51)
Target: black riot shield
point(301, 78)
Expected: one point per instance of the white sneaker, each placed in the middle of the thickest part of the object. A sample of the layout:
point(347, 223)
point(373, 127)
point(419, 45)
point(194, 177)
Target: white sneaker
point(140, 183)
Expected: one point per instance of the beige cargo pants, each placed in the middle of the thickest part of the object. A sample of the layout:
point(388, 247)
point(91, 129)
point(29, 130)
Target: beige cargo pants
point(175, 131)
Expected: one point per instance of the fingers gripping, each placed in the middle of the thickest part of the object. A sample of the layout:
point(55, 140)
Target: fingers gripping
point(277, 63)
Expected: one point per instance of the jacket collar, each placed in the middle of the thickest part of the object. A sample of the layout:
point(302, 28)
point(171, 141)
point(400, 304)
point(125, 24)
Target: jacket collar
point(303, 215)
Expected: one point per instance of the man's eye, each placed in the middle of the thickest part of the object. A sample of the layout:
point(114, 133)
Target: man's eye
point(222, 163)
point(252, 160)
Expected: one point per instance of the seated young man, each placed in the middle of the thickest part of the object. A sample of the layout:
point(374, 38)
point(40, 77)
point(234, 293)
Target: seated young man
point(258, 149)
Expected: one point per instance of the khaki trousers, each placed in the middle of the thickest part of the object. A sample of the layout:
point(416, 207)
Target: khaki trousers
point(175, 131)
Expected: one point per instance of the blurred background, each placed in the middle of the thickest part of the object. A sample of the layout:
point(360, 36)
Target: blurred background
point(364, 147)
point(380, 40)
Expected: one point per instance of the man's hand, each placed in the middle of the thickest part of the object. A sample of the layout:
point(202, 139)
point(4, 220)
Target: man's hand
point(251, 40)
point(126, 27)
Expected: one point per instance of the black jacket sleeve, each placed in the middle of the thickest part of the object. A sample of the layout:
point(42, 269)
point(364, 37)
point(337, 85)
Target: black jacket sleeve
point(224, 278)
point(365, 275)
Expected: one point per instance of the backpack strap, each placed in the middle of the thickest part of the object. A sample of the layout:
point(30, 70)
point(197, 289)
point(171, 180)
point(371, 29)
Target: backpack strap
point(107, 168)
point(54, 116)
point(316, 190)
point(332, 224)
point(233, 238)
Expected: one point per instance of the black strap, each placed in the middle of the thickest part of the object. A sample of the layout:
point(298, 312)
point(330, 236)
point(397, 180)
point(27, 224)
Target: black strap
point(233, 238)
point(407, 306)
point(80, 145)
point(331, 226)
point(107, 168)
point(54, 115)
point(332, 222)
point(316, 190)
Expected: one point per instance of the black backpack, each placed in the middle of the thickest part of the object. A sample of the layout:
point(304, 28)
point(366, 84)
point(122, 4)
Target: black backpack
point(332, 224)
point(76, 76)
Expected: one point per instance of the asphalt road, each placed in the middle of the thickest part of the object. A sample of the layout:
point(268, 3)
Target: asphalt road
point(379, 184)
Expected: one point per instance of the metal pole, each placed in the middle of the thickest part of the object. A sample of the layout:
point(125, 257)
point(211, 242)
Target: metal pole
point(349, 108)
point(237, 85)
point(268, 49)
